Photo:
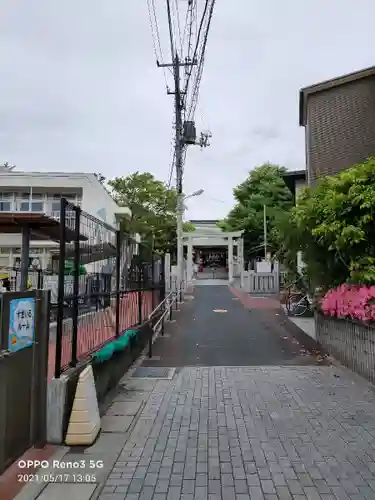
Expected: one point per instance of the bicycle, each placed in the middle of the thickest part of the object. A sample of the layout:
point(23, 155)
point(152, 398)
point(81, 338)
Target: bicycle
point(297, 305)
point(297, 301)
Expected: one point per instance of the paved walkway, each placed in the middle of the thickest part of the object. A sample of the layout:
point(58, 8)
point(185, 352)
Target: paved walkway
point(249, 433)
point(231, 430)
point(236, 336)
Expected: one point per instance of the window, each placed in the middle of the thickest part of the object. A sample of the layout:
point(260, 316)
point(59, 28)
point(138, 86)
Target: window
point(17, 262)
point(35, 206)
point(55, 206)
point(6, 196)
point(33, 250)
point(5, 206)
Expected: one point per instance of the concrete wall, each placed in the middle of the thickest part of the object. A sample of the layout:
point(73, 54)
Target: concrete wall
point(262, 283)
point(350, 342)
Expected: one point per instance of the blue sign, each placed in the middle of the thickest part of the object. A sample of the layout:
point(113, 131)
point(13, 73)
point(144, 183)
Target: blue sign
point(21, 323)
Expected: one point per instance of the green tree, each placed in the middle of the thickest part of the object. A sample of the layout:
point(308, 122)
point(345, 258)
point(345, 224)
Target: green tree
point(153, 206)
point(263, 186)
point(333, 225)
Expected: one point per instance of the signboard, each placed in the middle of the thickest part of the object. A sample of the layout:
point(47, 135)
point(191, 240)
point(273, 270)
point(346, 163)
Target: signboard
point(21, 323)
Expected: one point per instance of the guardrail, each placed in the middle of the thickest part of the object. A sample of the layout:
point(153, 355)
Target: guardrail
point(165, 308)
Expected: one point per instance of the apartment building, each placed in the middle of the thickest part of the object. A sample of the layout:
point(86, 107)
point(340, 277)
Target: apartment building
point(339, 120)
point(42, 192)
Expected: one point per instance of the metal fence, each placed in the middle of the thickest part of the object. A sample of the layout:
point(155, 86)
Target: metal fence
point(104, 287)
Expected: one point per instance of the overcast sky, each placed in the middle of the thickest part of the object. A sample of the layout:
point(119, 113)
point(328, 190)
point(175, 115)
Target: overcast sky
point(80, 91)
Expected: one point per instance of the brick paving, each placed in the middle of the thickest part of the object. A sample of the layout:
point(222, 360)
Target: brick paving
point(244, 433)
point(245, 416)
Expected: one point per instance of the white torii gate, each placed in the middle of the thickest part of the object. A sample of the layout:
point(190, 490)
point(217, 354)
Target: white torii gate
point(216, 240)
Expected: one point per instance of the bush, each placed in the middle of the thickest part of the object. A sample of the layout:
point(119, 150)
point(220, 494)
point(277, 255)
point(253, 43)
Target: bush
point(333, 226)
point(350, 301)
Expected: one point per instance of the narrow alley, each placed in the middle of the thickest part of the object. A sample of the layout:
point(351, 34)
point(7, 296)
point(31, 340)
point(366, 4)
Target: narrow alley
point(229, 409)
point(215, 329)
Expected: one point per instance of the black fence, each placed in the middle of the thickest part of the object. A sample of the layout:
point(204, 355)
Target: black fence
point(105, 286)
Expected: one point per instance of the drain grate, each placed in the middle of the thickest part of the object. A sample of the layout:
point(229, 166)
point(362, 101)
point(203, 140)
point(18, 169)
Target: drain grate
point(153, 372)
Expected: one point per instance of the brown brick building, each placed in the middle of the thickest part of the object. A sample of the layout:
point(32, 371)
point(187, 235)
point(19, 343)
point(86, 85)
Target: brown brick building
point(339, 120)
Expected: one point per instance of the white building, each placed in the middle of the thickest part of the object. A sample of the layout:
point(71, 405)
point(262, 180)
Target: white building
point(41, 192)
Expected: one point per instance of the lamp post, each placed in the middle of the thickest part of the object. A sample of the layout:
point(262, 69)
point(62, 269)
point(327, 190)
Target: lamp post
point(180, 238)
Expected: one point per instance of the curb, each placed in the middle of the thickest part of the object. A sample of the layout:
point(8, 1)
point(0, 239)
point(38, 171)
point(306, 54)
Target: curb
point(305, 339)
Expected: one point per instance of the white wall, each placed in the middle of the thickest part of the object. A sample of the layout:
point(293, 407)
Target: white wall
point(300, 264)
point(298, 186)
point(95, 200)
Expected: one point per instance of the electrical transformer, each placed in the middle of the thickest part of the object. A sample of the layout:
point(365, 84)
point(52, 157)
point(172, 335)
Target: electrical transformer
point(190, 133)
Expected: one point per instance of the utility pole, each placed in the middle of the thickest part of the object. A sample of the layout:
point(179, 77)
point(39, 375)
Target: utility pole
point(179, 146)
point(178, 149)
point(265, 231)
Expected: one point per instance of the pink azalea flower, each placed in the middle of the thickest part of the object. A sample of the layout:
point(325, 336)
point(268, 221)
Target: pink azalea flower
point(349, 301)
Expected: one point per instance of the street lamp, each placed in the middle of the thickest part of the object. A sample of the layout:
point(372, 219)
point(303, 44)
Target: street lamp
point(180, 230)
point(196, 193)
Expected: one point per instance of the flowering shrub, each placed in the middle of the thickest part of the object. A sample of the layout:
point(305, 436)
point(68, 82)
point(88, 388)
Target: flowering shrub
point(350, 301)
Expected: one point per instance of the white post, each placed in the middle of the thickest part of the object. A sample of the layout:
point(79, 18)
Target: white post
point(276, 273)
point(180, 243)
point(167, 273)
point(241, 260)
point(190, 260)
point(265, 231)
point(230, 258)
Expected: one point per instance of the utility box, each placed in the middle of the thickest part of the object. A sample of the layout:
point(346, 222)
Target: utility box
point(190, 133)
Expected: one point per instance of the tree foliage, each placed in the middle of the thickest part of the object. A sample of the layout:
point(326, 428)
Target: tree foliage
point(263, 186)
point(153, 206)
point(333, 225)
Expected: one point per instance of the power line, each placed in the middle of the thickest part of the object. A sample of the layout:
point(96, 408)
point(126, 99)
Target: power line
point(155, 35)
point(172, 165)
point(192, 61)
point(179, 26)
point(197, 44)
point(170, 26)
point(195, 94)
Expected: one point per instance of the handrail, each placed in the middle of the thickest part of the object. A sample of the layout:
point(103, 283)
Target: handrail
point(159, 305)
point(166, 311)
point(169, 300)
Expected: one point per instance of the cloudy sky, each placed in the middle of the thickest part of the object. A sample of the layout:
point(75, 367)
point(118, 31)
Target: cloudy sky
point(80, 91)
